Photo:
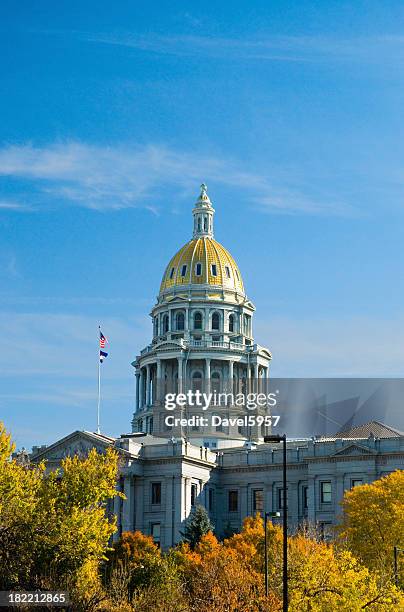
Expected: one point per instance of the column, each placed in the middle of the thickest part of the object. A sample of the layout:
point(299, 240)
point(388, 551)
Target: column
point(230, 374)
point(158, 391)
point(137, 403)
point(256, 378)
point(141, 390)
point(180, 360)
point(207, 375)
point(127, 513)
point(148, 385)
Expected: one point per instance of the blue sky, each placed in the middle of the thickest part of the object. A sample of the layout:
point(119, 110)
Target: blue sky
point(111, 117)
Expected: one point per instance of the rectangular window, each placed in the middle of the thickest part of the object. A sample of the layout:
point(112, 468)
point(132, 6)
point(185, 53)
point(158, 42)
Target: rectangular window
point(214, 270)
point(356, 482)
point(233, 501)
point(305, 494)
point(198, 269)
point(172, 273)
point(211, 500)
point(325, 492)
point(155, 532)
point(228, 271)
point(258, 500)
point(183, 270)
point(280, 499)
point(156, 493)
point(194, 493)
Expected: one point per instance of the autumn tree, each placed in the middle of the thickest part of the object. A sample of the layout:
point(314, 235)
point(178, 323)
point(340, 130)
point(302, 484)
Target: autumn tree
point(54, 530)
point(373, 522)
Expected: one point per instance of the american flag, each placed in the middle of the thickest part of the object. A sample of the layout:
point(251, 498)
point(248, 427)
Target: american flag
point(103, 340)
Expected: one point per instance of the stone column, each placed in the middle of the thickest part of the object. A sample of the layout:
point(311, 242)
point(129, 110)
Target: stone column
point(180, 360)
point(256, 378)
point(207, 375)
point(230, 375)
point(127, 512)
point(141, 389)
point(158, 390)
point(137, 403)
point(148, 385)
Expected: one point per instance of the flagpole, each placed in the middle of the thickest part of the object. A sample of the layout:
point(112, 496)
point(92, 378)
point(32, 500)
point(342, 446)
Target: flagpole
point(99, 387)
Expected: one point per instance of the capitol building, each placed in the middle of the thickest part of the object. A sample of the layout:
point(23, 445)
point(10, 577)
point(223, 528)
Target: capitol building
point(213, 454)
point(202, 339)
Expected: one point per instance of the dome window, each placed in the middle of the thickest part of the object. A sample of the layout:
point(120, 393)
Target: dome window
point(238, 277)
point(231, 323)
point(198, 269)
point(183, 270)
point(214, 270)
point(215, 321)
point(165, 324)
point(197, 320)
point(228, 272)
point(171, 273)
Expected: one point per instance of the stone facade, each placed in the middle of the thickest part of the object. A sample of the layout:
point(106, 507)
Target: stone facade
point(203, 339)
point(163, 479)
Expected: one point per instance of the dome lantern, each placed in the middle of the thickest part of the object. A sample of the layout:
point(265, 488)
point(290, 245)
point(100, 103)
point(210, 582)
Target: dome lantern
point(203, 215)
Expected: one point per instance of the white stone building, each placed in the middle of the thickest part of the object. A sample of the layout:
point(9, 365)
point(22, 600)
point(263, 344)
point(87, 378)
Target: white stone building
point(203, 340)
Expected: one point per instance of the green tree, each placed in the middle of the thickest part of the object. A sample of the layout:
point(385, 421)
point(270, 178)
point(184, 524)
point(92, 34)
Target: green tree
point(197, 525)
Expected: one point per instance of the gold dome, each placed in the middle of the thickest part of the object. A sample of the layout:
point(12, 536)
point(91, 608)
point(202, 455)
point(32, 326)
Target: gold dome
point(202, 261)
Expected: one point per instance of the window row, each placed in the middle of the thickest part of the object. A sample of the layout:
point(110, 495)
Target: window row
point(198, 270)
point(258, 496)
point(179, 322)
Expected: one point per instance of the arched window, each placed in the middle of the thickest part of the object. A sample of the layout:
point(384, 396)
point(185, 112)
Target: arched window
point(198, 269)
point(165, 323)
point(215, 382)
point(156, 326)
point(180, 321)
point(231, 323)
point(215, 321)
point(205, 223)
point(140, 425)
point(199, 224)
point(197, 381)
point(198, 320)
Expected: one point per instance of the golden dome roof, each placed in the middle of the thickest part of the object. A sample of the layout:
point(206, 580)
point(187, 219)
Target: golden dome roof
point(202, 261)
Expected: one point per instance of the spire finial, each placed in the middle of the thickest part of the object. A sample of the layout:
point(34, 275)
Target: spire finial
point(203, 214)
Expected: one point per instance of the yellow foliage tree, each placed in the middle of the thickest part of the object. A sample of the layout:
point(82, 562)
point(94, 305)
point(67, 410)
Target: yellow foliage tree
point(53, 525)
point(373, 522)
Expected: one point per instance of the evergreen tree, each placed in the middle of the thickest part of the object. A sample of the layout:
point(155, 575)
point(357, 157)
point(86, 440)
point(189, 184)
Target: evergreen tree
point(197, 525)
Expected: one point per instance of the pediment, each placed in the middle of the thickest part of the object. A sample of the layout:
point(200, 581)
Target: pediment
point(177, 298)
point(169, 344)
point(354, 450)
point(78, 443)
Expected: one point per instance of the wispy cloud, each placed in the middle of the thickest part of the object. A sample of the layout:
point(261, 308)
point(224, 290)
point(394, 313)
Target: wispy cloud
point(116, 177)
point(10, 205)
point(271, 47)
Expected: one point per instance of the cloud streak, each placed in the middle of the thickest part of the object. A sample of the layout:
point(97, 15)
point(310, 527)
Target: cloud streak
point(373, 49)
point(117, 177)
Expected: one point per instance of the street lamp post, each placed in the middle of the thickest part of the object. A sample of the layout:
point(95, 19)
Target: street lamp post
point(277, 439)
